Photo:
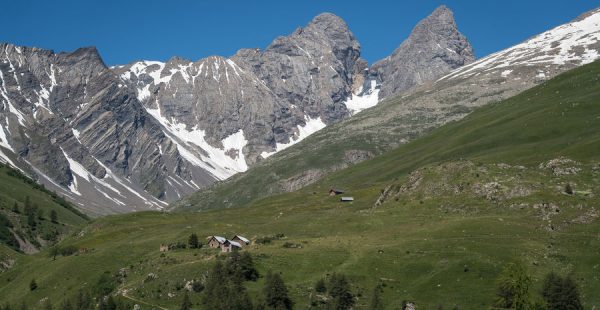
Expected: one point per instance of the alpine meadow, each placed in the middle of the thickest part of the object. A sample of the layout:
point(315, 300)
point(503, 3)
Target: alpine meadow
point(299, 176)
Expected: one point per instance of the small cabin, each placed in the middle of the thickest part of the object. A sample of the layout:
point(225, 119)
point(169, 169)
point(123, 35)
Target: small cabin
point(215, 241)
point(241, 240)
point(164, 247)
point(230, 246)
point(335, 191)
point(347, 199)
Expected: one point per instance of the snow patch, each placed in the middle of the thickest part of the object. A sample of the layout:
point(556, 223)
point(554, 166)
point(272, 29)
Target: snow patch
point(312, 125)
point(569, 43)
point(4, 139)
point(218, 161)
point(364, 99)
point(11, 108)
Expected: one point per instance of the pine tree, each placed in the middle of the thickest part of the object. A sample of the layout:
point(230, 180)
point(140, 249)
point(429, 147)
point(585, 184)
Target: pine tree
point(513, 288)
point(247, 269)
point(31, 219)
point(376, 302)
point(83, 301)
point(186, 304)
point(216, 283)
point(236, 297)
point(40, 214)
point(561, 293)
point(15, 208)
point(193, 241)
point(339, 290)
point(276, 293)
point(53, 216)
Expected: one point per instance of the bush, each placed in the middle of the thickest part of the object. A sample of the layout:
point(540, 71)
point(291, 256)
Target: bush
point(569, 189)
point(269, 239)
point(197, 286)
point(105, 285)
point(68, 250)
point(320, 286)
point(32, 285)
point(291, 245)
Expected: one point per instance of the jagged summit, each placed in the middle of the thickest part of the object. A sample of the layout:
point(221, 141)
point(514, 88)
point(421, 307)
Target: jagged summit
point(329, 23)
point(446, 49)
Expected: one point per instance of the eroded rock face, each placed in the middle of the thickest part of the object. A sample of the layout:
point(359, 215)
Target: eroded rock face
point(270, 95)
point(70, 121)
point(137, 136)
point(434, 48)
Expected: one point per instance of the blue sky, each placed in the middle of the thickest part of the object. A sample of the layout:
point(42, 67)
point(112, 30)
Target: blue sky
point(127, 30)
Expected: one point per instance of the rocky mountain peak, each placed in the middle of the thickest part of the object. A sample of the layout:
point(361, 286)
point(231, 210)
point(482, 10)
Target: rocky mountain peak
point(434, 47)
point(330, 24)
point(147, 133)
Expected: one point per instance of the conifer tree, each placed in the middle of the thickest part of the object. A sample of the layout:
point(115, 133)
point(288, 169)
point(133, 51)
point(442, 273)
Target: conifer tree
point(193, 241)
point(561, 292)
point(376, 302)
point(186, 303)
point(53, 216)
point(215, 285)
point(513, 288)
point(247, 269)
point(339, 290)
point(275, 293)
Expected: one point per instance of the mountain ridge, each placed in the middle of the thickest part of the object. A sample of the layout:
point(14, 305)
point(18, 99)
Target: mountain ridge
point(400, 119)
point(137, 136)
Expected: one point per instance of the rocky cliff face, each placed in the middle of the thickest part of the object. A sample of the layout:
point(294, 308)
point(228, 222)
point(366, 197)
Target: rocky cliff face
point(405, 117)
point(434, 47)
point(138, 136)
point(264, 99)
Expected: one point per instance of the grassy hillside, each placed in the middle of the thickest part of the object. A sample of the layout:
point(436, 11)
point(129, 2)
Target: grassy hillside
point(26, 209)
point(433, 221)
point(393, 122)
point(407, 117)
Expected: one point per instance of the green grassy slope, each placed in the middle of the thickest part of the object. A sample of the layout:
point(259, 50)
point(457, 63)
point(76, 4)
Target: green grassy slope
point(557, 118)
point(488, 131)
point(16, 192)
point(456, 207)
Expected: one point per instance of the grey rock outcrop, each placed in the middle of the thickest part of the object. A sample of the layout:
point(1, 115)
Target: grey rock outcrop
point(138, 136)
point(434, 47)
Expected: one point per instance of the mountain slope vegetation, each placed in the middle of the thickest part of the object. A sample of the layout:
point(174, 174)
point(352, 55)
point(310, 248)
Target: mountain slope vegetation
point(400, 119)
point(433, 222)
point(32, 217)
